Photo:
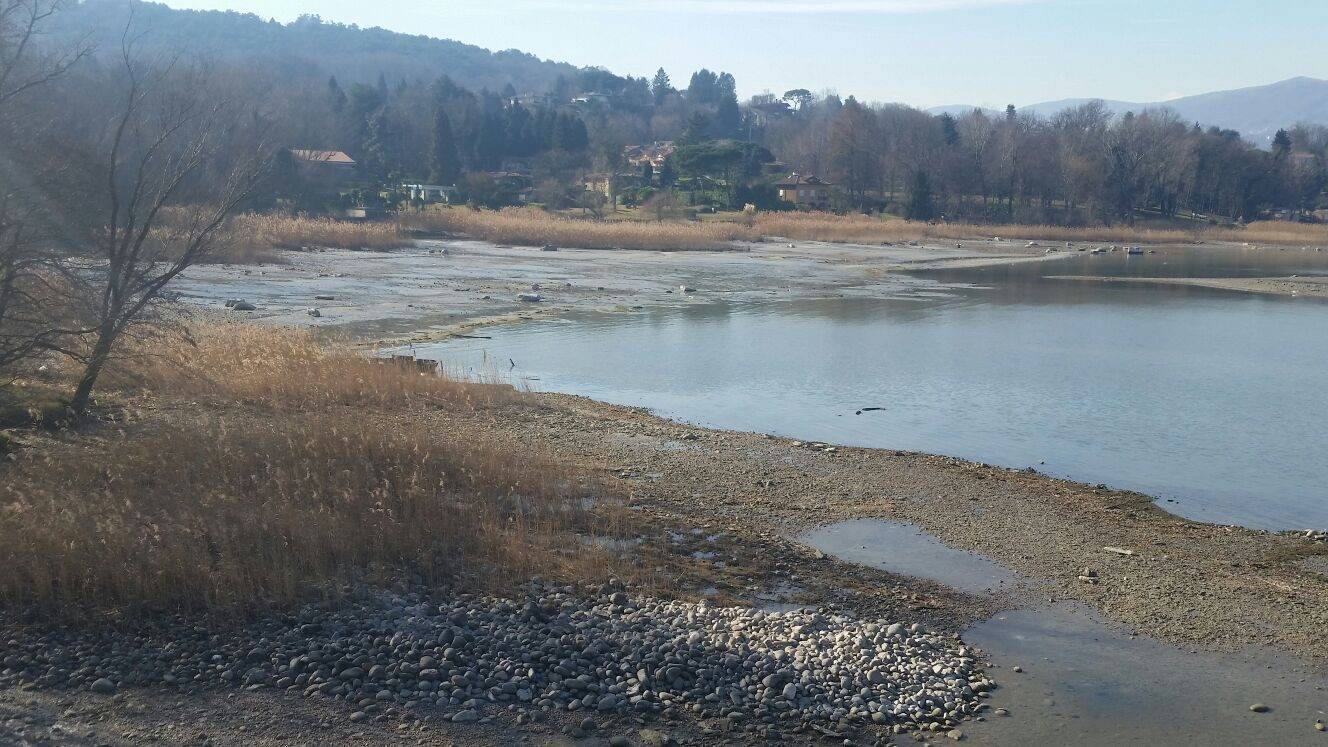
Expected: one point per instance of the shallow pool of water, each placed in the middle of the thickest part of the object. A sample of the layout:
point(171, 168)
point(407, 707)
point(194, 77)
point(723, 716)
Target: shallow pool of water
point(1214, 402)
point(905, 550)
point(1086, 682)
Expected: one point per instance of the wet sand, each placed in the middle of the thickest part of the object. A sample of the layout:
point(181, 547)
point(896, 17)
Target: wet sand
point(445, 287)
point(1303, 287)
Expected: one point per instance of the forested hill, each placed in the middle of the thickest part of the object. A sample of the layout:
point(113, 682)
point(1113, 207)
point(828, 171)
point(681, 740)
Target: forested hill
point(310, 46)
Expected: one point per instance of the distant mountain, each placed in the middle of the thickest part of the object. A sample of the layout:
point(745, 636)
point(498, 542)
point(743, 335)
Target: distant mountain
point(308, 45)
point(1256, 112)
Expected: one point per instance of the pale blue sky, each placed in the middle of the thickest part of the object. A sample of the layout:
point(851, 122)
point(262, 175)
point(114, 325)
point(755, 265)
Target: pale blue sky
point(921, 52)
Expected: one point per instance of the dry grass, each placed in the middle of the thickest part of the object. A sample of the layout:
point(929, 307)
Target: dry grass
point(299, 231)
point(266, 469)
point(535, 227)
point(862, 229)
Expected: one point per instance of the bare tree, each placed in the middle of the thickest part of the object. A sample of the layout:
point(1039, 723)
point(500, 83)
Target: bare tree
point(178, 157)
point(33, 282)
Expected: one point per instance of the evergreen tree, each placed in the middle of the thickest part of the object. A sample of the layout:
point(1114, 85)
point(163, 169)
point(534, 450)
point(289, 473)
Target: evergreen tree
point(335, 95)
point(444, 162)
point(704, 87)
point(489, 142)
point(697, 129)
point(660, 87)
point(382, 87)
point(647, 172)
point(727, 117)
point(667, 173)
point(382, 152)
point(920, 205)
point(949, 129)
point(1281, 144)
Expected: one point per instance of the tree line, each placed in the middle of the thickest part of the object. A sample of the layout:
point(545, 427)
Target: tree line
point(1084, 165)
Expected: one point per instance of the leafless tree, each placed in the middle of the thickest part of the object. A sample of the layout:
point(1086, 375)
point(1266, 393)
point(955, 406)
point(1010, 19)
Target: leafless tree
point(178, 157)
point(33, 282)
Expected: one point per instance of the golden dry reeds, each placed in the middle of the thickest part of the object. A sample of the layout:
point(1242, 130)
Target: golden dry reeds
point(530, 226)
point(280, 231)
point(265, 469)
point(861, 229)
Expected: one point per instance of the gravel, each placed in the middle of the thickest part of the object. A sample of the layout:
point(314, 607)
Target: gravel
point(605, 655)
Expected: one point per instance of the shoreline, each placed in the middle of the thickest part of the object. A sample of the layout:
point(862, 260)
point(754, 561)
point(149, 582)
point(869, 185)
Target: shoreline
point(1253, 588)
point(1293, 286)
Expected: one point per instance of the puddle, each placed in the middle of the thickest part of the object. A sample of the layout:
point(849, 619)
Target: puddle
point(906, 550)
point(1088, 682)
point(1085, 682)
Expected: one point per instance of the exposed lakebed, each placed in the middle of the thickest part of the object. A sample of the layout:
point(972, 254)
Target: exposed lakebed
point(1084, 681)
point(1214, 402)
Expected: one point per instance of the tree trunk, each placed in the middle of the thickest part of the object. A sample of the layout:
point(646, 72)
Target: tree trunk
point(101, 353)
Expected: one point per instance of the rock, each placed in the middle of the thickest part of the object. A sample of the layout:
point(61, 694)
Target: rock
point(465, 717)
point(654, 738)
point(103, 686)
point(619, 740)
point(241, 306)
point(529, 297)
point(313, 312)
point(955, 734)
point(1260, 708)
point(358, 716)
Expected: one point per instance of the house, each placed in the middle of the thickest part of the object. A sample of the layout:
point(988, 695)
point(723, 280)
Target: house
point(805, 191)
point(654, 153)
point(429, 193)
point(602, 183)
point(609, 184)
point(323, 164)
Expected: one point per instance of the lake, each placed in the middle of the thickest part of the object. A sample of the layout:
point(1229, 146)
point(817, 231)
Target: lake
point(1214, 402)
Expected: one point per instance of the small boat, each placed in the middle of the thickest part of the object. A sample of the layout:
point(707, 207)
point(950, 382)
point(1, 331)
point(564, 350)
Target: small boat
point(1134, 250)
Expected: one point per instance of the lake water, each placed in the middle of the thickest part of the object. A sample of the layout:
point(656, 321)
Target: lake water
point(1214, 402)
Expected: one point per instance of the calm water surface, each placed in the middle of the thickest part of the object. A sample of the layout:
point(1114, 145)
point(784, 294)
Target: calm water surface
point(1214, 402)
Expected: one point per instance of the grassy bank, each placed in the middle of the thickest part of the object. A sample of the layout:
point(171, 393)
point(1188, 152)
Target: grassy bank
point(256, 467)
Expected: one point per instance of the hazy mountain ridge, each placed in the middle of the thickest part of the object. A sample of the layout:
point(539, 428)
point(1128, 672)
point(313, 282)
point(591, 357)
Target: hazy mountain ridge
point(352, 53)
point(1256, 112)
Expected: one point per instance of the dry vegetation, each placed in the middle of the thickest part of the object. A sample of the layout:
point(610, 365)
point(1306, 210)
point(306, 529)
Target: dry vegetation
point(534, 227)
point(255, 237)
point(866, 230)
point(261, 468)
point(299, 231)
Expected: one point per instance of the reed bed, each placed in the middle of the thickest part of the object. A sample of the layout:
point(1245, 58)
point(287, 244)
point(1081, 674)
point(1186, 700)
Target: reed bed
point(274, 230)
point(534, 227)
point(861, 229)
point(269, 470)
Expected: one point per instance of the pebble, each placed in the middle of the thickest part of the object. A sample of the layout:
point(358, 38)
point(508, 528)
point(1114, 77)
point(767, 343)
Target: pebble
point(603, 652)
point(1259, 708)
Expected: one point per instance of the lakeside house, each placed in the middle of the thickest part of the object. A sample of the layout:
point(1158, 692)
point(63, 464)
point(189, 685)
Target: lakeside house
point(332, 165)
point(430, 193)
point(655, 153)
point(808, 191)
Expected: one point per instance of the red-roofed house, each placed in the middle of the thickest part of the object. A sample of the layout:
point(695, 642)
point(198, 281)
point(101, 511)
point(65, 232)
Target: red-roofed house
point(805, 191)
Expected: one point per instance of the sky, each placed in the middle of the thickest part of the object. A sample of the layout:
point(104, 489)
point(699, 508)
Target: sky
point(920, 52)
